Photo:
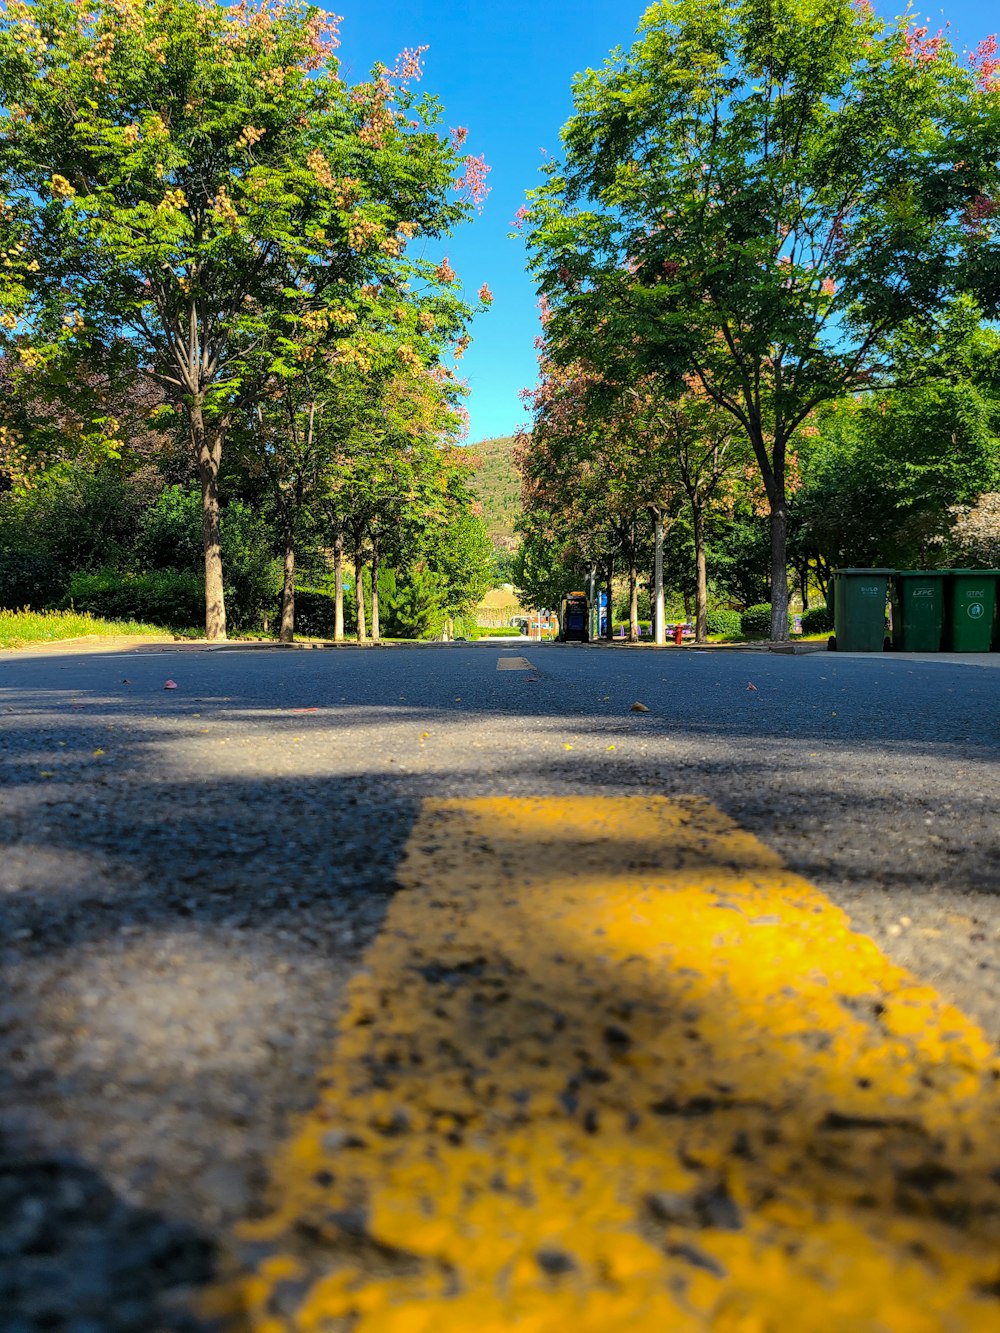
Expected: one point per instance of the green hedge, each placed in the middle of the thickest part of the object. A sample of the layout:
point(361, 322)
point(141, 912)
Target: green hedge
point(755, 621)
point(817, 620)
point(314, 613)
point(30, 579)
point(725, 622)
point(161, 597)
point(495, 631)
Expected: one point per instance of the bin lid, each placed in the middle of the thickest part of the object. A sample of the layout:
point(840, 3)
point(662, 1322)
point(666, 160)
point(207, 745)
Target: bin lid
point(864, 571)
point(975, 573)
point(922, 573)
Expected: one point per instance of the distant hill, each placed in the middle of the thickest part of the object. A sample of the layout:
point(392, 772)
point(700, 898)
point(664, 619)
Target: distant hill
point(498, 489)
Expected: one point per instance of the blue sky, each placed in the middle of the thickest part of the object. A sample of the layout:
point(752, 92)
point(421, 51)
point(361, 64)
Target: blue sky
point(504, 71)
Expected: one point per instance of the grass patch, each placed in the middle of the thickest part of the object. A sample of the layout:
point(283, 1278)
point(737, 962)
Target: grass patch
point(19, 628)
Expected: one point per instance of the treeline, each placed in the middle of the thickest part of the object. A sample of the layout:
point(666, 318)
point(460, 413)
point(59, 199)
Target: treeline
point(229, 331)
point(769, 264)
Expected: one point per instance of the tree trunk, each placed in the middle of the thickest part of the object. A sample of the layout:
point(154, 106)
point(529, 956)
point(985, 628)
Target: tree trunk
point(375, 625)
point(609, 623)
point(804, 586)
point(207, 447)
point(287, 631)
point(779, 571)
point(359, 594)
point(338, 580)
point(633, 600)
point(700, 577)
point(660, 629)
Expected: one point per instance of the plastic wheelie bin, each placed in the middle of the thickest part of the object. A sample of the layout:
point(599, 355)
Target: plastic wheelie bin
point(918, 610)
point(970, 610)
point(859, 598)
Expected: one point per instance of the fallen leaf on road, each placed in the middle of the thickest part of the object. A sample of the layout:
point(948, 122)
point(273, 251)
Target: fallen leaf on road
point(567, 747)
point(531, 680)
point(98, 753)
point(458, 698)
point(424, 735)
point(639, 708)
point(305, 710)
point(752, 686)
point(611, 747)
point(170, 684)
point(46, 773)
point(126, 681)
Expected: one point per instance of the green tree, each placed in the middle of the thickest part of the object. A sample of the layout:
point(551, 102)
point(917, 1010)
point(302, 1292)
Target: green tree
point(757, 195)
point(184, 170)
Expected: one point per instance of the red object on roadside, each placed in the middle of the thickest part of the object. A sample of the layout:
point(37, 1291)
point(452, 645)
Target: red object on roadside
point(678, 635)
point(170, 685)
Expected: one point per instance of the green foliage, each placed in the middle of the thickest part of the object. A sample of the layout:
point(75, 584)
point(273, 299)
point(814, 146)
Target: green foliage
point(462, 556)
point(314, 612)
point(497, 487)
point(755, 622)
point(170, 531)
point(418, 609)
point(161, 597)
point(18, 628)
point(739, 553)
point(882, 475)
point(504, 567)
point(547, 564)
point(493, 631)
point(30, 579)
point(78, 518)
point(817, 620)
point(727, 207)
point(170, 538)
point(226, 205)
point(725, 622)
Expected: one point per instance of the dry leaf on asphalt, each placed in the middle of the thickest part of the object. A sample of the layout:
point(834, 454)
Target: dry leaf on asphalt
point(752, 686)
point(639, 708)
point(170, 684)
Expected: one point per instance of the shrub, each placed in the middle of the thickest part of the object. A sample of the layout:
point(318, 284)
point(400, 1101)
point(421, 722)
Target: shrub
point(755, 622)
point(725, 622)
point(171, 539)
point(645, 627)
point(494, 631)
point(817, 620)
point(161, 597)
point(79, 519)
point(314, 612)
point(30, 579)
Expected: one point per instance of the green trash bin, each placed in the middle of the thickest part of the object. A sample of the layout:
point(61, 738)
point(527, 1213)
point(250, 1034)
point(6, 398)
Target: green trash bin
point(859, 598)
point(971, 610)
point(918, 610)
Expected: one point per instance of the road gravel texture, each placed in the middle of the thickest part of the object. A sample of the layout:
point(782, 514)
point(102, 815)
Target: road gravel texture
point(189, 877)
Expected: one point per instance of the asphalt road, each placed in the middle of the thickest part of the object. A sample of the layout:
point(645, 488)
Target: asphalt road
point(189, 876)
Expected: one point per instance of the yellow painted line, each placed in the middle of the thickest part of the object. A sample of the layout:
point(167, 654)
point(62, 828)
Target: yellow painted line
point(609, 1068)
point(514, 664)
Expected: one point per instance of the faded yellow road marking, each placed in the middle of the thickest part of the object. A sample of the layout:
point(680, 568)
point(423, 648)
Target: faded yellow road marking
point(611, 1067)
point(514, 664)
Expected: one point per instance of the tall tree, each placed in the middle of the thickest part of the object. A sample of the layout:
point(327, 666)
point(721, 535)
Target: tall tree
point(184, 168)
point(757, 195)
